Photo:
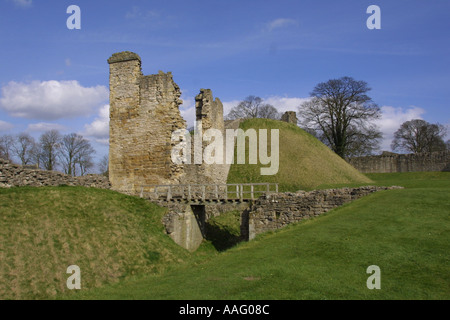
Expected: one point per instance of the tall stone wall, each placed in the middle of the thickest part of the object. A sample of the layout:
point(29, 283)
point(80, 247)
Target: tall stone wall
point(274, 211)
point(144, 111)
point(14, 175)
point(392, 162)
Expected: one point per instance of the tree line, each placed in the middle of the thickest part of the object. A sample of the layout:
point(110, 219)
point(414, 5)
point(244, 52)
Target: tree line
point(71, 152)
point(341, 114)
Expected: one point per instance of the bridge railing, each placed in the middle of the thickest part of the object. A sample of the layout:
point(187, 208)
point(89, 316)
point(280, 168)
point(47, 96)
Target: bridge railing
point(208, 192)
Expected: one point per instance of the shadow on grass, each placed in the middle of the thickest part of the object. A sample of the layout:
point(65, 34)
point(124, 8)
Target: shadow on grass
point(221, 237)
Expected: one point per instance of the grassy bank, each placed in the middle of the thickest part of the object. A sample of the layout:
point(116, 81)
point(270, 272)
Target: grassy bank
point(110, 236)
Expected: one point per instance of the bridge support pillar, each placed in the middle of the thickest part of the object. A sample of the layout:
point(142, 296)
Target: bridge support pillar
point(186, 225)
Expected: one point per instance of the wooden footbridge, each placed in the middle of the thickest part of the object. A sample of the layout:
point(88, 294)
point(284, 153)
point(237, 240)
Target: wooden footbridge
point(207, 193)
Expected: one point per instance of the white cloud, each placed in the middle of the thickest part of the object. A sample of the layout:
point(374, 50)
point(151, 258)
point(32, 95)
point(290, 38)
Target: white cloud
point(99, 128)
point(5, 126)
point(23, 3)
point(283, 104)
point(51, 100)
point(391, 120)
point(44, 126)
point(280, 23)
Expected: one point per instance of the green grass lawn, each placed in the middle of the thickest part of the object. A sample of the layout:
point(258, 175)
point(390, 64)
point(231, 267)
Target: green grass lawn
point(404, 232)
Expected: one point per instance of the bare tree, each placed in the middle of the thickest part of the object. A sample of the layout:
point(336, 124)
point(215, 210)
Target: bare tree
point(50, 144)
point(103, 165)
point(253, 107)
point(25, 148)
point(363, 141)
point(267, 111)
point(418, 136)
point(6, 146)
point(36, 155)
point(84, 159)
point(73, 148)
point(341, 112)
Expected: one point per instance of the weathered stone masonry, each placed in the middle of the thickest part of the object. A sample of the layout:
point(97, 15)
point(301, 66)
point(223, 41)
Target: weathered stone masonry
point(392, 162)
point(209, 115)
point(290, 117)
point(14, 175)
point(143, 114)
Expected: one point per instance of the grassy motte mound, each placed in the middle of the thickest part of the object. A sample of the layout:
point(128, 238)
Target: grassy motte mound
point(304, 161)
point(110, 236)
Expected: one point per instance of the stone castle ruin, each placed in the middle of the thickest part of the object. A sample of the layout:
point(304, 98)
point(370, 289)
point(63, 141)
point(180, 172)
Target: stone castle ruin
point(144, 112)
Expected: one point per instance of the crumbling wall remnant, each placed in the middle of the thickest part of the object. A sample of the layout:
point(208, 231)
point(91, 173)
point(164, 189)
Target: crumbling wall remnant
point(15, 175)
point(290, 117)
point(144, 111)
point(209, 116)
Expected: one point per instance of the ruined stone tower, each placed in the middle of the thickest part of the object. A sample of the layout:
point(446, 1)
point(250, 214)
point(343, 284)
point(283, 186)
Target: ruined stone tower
point(209, 110)
point(290, 117)
point(209, 115)
point(144, 111)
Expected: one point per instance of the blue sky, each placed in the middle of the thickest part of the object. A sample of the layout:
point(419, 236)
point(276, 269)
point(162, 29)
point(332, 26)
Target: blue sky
point(53, 77)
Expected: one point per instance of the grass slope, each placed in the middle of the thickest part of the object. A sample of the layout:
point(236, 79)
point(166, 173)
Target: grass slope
point(304, 162)
point(110, 236)
point(404, 232)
